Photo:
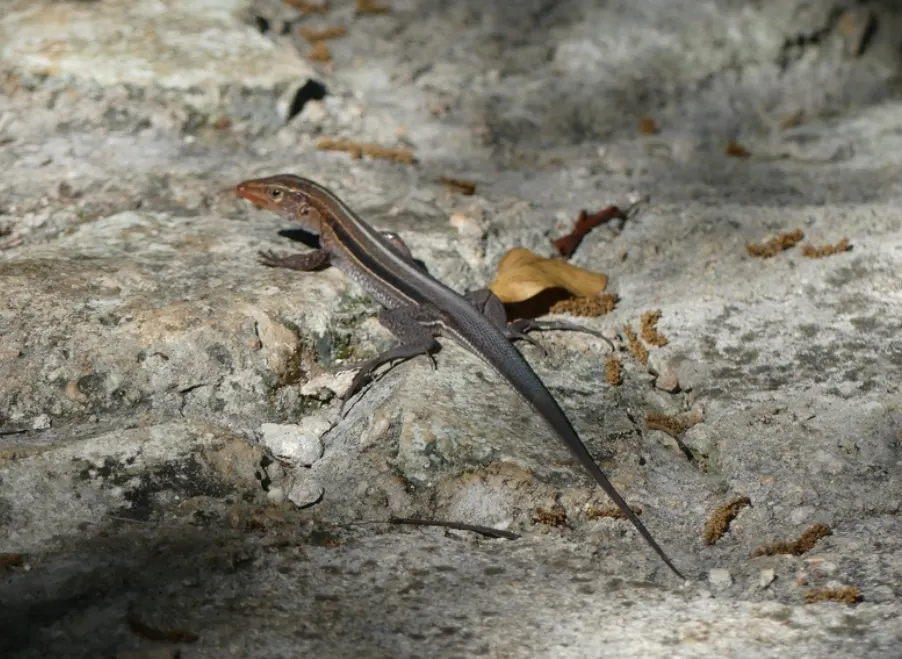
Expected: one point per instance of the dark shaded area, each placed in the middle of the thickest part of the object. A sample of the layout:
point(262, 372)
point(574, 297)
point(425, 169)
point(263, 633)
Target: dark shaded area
point(310, 91)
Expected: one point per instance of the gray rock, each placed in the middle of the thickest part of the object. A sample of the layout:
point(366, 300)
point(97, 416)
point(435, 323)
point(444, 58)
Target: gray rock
point(298, 444)
point(135, 317)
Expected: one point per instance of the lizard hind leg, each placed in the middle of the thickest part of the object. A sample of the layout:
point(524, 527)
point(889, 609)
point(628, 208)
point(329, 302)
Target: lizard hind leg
point(518, 330)
point(415, 340)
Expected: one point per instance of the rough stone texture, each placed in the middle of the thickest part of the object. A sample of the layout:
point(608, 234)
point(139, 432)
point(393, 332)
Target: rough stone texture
point(143, 350)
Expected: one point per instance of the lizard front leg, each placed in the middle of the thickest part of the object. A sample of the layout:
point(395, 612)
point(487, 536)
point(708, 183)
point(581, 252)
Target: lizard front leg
point(493, 309)
point(303, 262)
point(414, 340)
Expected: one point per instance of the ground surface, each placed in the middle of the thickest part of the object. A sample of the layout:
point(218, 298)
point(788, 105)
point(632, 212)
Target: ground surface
point(149, 367)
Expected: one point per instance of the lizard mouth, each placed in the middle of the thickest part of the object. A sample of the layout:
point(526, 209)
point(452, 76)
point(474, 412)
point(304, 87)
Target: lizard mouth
point(246, 191)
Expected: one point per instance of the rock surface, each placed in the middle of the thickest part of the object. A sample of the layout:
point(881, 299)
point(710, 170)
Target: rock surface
point(150, 368)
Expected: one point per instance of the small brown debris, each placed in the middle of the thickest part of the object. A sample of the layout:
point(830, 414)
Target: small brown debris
point(775, 245)
point(12, 560)
point(65, 192)
point(143, 630)
point(313, 35)
point(325, 539)
point(647, 126)
point(359, 149)
point(843, 595)
point(672, 425)
point(813, 252)
point(613, 371)
point(307, 7)
point(566, 245)
point(610, 512)
point(736, 150)
point(589, 306)
point(635, 346)
point(319, 52)
point(459, 185)
point(555, 516)
point(222, 123)
point(719, 521)
point(798, 547)
point(371, 7)
point(649, 329)
point(796, 119)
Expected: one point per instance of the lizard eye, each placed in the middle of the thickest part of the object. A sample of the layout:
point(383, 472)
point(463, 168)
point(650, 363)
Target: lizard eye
point(305, 210)
point(275, 194)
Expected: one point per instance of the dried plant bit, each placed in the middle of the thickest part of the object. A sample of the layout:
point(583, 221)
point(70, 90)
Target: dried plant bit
point(635, 346)
point(360, 149)
point(592, 307)
point(813, 252)
point(523, 274)
point(307, 7)
point(12, 560)
point(610, 512)
point(843, 595)
point(319, 52)
point(554, 516)
point(672, 425)
point(796, 119)
point(371, 7)
point(142, 629)
point(775, 245)
point(314, 35)
point(647, 126)
point(566, 245)
point(613, 371)
point(459, 185)
point(736, 150)
point(719, 521)
point(649, 329)
point(798, 547)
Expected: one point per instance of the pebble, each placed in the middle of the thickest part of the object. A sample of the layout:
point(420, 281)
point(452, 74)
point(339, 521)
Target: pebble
point(720, 578)
point(305, 492)
point(766, 578)
point(297, 444)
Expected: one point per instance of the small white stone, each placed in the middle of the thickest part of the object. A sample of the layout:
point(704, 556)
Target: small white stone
point(720, 578)
point(668, 381)
point(305, 492)
point(801, 514)
point(41, 422)
point(766, 578)
point(275, 495)
point(297, 444)
point(378, 427)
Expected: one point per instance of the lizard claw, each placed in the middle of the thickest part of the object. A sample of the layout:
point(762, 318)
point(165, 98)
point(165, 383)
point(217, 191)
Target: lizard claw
point(269, 258)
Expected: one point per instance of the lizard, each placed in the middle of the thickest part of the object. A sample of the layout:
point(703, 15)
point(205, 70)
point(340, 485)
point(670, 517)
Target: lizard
point(416, 308)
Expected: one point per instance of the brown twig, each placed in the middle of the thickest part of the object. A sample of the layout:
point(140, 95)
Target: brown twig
point(566, 245)
point(459, 185)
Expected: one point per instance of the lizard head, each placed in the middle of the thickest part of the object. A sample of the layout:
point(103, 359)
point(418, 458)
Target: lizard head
point(285, 194)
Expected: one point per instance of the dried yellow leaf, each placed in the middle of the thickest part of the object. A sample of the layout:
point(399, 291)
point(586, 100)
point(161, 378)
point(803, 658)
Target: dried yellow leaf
point(523, 274)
